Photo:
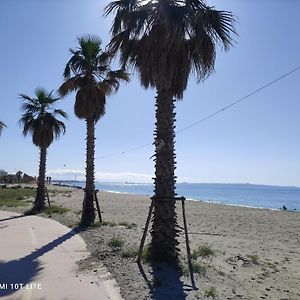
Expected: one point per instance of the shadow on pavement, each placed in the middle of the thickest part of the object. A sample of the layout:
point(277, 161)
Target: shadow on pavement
point(14, 217)
point(25, 269)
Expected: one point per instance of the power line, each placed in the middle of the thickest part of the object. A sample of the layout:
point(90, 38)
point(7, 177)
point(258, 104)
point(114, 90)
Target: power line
point(123, 152)
point(211, 115)
point(240, 99)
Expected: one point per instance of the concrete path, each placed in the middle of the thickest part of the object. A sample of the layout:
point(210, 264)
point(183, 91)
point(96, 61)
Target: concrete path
point(38, 262)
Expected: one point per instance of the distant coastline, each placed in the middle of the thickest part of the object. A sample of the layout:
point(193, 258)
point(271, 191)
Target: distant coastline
point(244, 195)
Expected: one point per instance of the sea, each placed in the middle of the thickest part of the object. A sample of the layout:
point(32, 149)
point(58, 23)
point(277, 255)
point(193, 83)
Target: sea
point(249, 195)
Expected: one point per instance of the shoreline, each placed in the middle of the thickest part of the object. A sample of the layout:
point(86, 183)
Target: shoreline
point(187, 199)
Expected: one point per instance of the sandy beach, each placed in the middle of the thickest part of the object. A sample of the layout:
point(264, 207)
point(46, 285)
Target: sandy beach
point(256, 251)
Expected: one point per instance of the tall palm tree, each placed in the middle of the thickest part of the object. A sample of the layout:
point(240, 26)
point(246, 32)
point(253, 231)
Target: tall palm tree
point(2, 125)
point(165, 41)
point(89, 74)
point(40, 120)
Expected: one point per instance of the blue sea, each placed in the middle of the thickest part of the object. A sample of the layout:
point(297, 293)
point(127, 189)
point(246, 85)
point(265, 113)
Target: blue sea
point(260, 196)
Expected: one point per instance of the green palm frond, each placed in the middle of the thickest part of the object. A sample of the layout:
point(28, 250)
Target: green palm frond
point(39, 118)
point(89, 74)
point(164, 41)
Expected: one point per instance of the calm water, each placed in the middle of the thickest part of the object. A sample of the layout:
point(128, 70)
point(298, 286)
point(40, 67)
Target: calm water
point(261, 196)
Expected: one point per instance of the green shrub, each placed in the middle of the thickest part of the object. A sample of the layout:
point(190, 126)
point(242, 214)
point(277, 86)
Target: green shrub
point(211, 292)
point(115, 243)
point(129, 253)
point(203, 251)
point(199, 268)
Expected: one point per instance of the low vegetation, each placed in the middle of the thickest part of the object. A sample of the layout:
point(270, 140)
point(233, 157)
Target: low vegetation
point(15, 196)
point(199, 268)
point(55, 209)
point(146, 254)
point(103, 224)
point(115, 243)
point(203, 251)
point(211, 292)
point(129, 253)
point(128, 225)
point(54, 192)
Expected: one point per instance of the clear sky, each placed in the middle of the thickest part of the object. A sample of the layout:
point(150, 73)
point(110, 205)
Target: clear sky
point(256, 141)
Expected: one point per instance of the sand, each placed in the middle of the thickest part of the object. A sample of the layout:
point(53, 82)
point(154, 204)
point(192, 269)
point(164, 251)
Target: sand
point(256, 251)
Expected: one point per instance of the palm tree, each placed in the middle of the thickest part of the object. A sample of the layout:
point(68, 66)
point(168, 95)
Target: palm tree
point(40, 120)
point(165, 41)
point(2, 125)
point(89, 74)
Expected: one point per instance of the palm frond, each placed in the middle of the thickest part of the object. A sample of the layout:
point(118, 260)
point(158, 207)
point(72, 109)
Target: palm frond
point(120, 74)
point(71, 85)
point(39, 119)
point(88, 73)
point(2, 126)
point(61, 113)
point(219, 25)
point(167, 40)
point(25, 97)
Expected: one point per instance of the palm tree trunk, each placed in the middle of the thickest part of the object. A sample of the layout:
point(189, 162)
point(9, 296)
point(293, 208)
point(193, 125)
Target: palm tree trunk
point(39, 203)
point(164, 224)
point(88, 212)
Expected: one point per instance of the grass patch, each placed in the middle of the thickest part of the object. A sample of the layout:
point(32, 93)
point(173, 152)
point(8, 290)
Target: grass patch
point(55, 191)
point(129, 253)
point(203, 251)
point(54, 209)
point(128, 225)
point(198, 268)
point(115, 243)
point(211, 292)
point(13, 197)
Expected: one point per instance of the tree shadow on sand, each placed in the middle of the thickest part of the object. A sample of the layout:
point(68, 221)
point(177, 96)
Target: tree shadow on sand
point(25, 269)
point(165, 283)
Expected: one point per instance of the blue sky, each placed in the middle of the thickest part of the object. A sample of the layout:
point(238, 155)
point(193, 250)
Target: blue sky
point(256, 141)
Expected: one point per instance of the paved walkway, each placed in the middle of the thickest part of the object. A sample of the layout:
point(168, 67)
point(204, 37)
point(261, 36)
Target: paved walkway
point(38, 262)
